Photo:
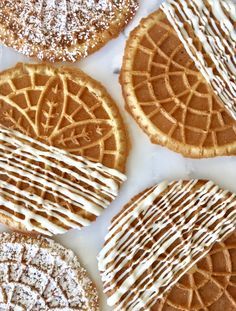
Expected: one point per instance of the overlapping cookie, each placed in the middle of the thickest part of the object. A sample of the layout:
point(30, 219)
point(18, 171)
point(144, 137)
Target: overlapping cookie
point(63, 149)
point(39, 274)
point(62, 30)
point(173, 247)
point(178, 77)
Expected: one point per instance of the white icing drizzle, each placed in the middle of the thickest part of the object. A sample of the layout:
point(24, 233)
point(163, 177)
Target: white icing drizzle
point(158, 238)
point(24, 159)
point(219, 43)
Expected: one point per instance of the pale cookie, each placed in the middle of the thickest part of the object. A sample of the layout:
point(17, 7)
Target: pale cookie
point(39, 274)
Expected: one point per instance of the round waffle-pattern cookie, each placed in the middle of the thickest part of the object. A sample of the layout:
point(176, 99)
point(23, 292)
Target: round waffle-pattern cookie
point(161, 238)
point(39, 274)
point(168, 96)
point(65, 109)
point(209, 285)
point(62, 30)
point(214, 35)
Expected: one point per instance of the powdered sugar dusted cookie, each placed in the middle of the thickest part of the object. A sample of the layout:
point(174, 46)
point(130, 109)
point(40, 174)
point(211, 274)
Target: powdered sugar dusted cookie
point(39, 274)
point(62, 29)
point(63, 148)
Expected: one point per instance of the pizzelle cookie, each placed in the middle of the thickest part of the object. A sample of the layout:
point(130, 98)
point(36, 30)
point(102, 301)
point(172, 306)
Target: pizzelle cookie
point(62, 30)
point(63, 149)
point(168, 96)
point(39, 274)
point(169, 249)
point(208, 285)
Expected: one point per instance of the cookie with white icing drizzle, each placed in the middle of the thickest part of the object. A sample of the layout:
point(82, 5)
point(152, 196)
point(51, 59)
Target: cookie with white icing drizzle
point(63, 148)
point(39, 274)
point(62, 30)
point(175, 103)
point(208, 285)
point(161, 235)
point(213, 30)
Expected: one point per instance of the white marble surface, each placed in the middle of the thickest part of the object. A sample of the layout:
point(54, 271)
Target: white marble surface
point(147, 163)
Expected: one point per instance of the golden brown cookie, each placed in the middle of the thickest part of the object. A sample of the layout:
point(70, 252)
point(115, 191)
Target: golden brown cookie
point(168, 96)
point(160, 237)
point(62, 30)
point(208, 285)
point(63, 148)
point(207, 29)
point(39, 274)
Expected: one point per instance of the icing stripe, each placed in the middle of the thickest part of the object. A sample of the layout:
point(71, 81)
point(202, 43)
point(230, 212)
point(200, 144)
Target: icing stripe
point(158, 238)
point(90, 186)
point(219, 42)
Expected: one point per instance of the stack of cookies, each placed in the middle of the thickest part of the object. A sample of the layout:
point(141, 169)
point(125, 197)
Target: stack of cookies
point(64, 146)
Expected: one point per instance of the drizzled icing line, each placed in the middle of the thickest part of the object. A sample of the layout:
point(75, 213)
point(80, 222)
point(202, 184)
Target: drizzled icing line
point(90, 186)
point(219, 43)
point(159, 237)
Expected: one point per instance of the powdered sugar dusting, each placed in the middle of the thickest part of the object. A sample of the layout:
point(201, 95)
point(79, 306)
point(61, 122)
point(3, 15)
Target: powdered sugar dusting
point(39, 274)
point(62, 29)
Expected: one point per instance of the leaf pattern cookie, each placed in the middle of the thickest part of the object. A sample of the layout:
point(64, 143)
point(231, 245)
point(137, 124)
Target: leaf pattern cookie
point(63, 148)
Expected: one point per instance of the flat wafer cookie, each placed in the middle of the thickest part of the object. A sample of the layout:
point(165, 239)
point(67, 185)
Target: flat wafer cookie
point(63, 148)
point(212, 36)
point(208, 285)
point(62, 30)
point(159, 236)
point(169, 98)
point(39, 274)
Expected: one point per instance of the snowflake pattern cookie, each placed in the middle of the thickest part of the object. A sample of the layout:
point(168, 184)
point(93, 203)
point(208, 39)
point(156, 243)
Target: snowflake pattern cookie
point(169, 97)
point(172, 247)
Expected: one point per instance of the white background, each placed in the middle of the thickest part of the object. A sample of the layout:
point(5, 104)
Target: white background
point(147, 164)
